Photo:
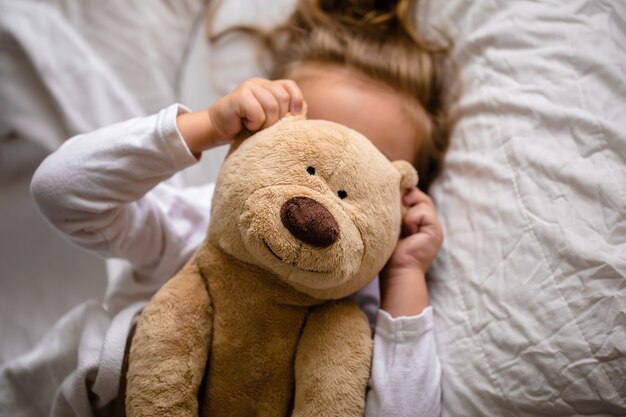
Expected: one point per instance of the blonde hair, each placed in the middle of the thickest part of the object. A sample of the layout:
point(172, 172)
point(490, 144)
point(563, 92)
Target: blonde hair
point(378, 38)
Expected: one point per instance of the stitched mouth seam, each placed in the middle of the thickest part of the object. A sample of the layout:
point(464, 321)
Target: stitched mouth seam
point(270, 249)
point(294, 264)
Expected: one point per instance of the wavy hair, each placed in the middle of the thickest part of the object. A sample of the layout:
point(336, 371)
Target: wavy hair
point(378, 38)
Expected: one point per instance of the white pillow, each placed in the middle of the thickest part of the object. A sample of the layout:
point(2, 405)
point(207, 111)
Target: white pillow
point(529, 291)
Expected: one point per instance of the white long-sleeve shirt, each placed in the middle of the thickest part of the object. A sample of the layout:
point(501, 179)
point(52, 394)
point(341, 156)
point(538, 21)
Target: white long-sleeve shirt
point(104, 191)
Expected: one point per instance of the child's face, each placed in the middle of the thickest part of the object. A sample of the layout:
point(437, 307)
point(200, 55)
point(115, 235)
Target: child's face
point(396, 124)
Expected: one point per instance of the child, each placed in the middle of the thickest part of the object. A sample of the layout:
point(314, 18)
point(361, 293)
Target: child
point(104, 190)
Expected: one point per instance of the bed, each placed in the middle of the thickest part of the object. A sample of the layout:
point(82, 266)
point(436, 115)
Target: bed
point(529, 290)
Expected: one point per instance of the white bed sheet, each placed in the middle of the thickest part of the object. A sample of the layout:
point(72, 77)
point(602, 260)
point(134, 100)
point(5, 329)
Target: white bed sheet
point(530, 287)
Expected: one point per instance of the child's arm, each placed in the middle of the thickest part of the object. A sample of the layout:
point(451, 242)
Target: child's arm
point(406, 373)
point(403, 283)
point(97, 189)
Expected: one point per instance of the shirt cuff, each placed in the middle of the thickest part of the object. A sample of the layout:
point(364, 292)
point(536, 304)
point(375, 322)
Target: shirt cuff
point(404, 329)
point(172, 139)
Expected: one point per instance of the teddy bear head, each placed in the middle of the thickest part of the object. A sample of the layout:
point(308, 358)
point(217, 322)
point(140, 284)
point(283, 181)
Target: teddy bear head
point(313, 202)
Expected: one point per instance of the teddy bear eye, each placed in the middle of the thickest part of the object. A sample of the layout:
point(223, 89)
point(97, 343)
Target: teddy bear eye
point(342, 194)
point(310, 170)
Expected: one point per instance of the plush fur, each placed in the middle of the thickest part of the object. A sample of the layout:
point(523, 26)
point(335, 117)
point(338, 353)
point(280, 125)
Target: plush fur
point(304, 214)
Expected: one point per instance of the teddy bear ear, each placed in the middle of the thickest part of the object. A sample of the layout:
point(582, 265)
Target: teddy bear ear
point(241, 136)
point(408, 172)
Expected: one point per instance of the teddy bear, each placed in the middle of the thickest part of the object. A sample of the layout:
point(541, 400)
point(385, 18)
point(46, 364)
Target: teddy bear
point(258, 322)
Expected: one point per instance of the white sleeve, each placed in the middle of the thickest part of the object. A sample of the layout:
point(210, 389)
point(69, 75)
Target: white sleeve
point(406, 373)
point(103, 191)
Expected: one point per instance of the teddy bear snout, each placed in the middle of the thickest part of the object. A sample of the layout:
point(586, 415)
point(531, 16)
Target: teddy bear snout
point(309, 221)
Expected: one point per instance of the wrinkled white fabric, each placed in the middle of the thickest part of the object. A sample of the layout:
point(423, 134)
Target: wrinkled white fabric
point(104, 192)
point(529, 291)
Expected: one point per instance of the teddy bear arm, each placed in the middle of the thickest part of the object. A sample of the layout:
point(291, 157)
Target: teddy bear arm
point(333, 362)
point(170, 348)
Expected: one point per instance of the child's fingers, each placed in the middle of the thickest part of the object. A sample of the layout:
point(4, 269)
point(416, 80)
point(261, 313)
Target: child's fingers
point(296, 98)
point(282, 96)
point(257, 104)
point(251, 111)
point(414, 218)
point(421, 218)
point(287, 94)
point(415, 196)
point(270, 105)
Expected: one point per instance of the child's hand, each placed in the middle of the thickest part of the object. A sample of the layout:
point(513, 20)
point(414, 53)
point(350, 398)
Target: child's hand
point(421, 234)
point(403, 285)
point(255, 104)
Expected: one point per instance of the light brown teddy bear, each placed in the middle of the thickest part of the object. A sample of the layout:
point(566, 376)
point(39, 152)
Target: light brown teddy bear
point(305, 213)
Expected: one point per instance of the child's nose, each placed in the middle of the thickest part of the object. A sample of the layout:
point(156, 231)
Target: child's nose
point(309, 221)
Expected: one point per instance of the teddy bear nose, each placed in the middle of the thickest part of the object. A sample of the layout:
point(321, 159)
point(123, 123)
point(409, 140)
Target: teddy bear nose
point(309, 221)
